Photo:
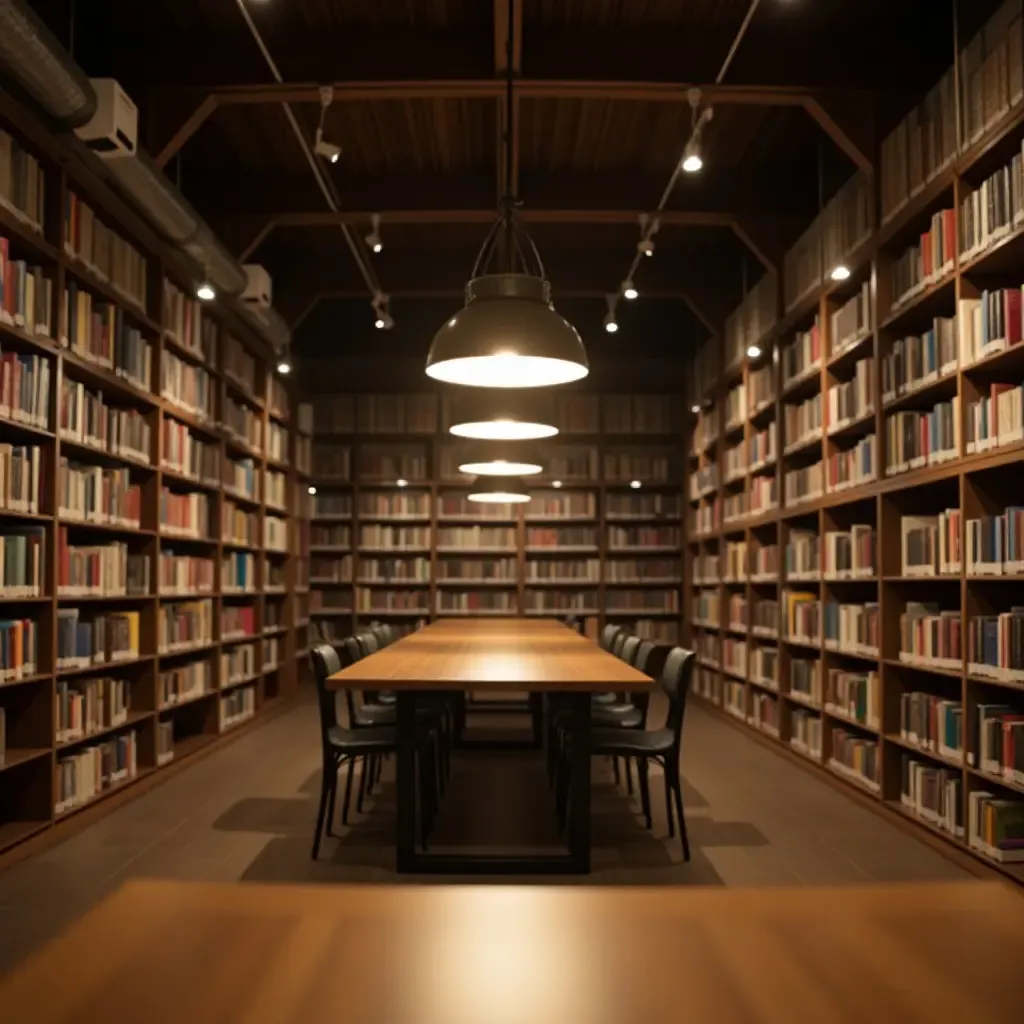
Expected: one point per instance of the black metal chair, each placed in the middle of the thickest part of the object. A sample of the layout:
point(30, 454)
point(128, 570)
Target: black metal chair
point(342, 746)
point(608, 635)
point(663, 745)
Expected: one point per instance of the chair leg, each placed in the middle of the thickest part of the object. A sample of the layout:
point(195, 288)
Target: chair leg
point(668, 803)
point(365, 771)
point(677, 789)
point(348, 791)
point(330, 804)
point(645, 789)
point(325, 792)
point(628, 764)
point(615, 769)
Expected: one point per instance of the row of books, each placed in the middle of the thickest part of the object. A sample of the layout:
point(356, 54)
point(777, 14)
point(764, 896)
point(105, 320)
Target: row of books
point(931, 636)
point(851, 554)
point(85, 417)
point(102, 249)
point(19, 649)
point(89, 771)
point(932, 723)
point(995, 419)
point(803, 555)
point(764, 666)
point(854, 628)
point(703, 481)
point(760, 388)
point(915, 439)
point(805, 733)
point(240, 476)
point(559, 601)
point(184, 574)
point(275, 533)
point(187, 386)
point(998, 749)
point(237, 572)
point(762, 447)
point(805, 681)
point(25, 389)
point(475, 601)
point(933, 794)
point(85, 707)
point(855, 696)
point(639, 414)
point(277, 397)
point(919, 360)
point(802, 356)
point(764, 494)
point(242, 423)
point(852, 321)
point(20, 474)
point(236, 707)
point(852, 400)
point(184, 514)
point(857, 757)
point(275, 485)
point(238, 525)
point(102, 333)
point(185, 453)
point(994, 544)
point(186, 326)
point(852, 467)
point(184, 683)
point(239, 366)
point(336, 570)
point(94, 494)
point(23, 561)
point(276, 447)
point(802, 422)
point(995, 645)
point(100, 570)
point(26, 294)
point(927, 261)
point(736, 560)
point(95, 639)
point(498, 568)
point(736, 406)
point(238, 664)
point(930, 545)
point(22, 182)
point(734, 656)
point(370, 600)
point(801, 616)
point(394, 569)
point(804, 483)
point(989, 324)
point(182, 625)
point(237, 621)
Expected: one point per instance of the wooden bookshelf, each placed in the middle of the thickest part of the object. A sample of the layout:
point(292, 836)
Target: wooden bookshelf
point(110, 426)
point(561, 554)
point(866, 705)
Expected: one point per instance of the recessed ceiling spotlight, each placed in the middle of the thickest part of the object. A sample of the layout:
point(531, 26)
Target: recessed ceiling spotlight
point(311, 489)
point(695, 409)
point(629, 290)
point(635, 484)
point(840, 273)
point(401, 483)
point(557, 484)
point(753, 351)
point(205, 292)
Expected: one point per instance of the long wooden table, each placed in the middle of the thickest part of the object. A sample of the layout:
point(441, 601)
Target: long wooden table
point(199, 953)
point(487, 656)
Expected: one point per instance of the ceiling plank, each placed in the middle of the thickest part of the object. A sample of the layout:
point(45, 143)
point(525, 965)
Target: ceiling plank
point(669, 218)
point(195, 121)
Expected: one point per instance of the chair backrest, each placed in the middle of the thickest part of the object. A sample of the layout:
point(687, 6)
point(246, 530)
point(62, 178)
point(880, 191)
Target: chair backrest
point(379, 630)
point(387, 631)
point(368, 642)
point(619, 642)
point(325, 662)
point(353, 650)
point(608, 634)
point(629, 648)
point(675, 681)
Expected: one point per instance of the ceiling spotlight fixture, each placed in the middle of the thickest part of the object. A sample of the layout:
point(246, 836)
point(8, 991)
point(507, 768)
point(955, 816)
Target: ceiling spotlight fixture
point(611, 325)
point(505, 490)
point(635, 484)
point(401, 483)
point(502, 416)
point(695, 409)
point(321, 146)
point(492, 458)
point(629, 290)
point(557, 484)
point(382, 318)
point(753, 351)
point(509, 334)
point(840, 273)
point(205, 292)
point(645, 247)
point(693, 159)
point(311, 489)
point(373, 239)
point(284, 362)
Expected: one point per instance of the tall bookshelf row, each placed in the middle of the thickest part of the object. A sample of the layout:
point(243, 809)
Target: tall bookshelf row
point(394, 536)
point(854, 550)
point(148, 505)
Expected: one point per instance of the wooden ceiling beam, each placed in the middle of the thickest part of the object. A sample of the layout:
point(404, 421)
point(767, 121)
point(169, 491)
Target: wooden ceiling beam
point(849, 123)
point(203, 112)
point(532, 215)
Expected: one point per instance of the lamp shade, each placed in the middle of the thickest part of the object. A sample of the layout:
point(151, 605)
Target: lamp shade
point(507, 336)
point(501, 458)
point(504, 490)
point(508, 415)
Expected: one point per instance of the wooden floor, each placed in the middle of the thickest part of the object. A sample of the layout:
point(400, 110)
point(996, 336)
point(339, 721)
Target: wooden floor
point(246, 812)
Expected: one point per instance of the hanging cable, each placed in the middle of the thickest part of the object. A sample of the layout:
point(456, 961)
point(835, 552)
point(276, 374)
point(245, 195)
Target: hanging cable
point(698, 119)
point(326, 186)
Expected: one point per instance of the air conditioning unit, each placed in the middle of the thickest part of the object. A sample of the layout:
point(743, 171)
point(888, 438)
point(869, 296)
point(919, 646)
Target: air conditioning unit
point(258, 286)
point(114, 128)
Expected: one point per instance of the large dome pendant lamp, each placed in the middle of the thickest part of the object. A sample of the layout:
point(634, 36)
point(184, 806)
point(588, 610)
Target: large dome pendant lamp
point(502, 415)
point(508, 335)
point(501, 458)
point(499, 490)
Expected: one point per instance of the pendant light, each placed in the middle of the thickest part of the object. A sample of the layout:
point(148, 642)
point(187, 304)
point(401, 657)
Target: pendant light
point(502, 416)
point(508, 335)
point(503, 490)
point(500, 458)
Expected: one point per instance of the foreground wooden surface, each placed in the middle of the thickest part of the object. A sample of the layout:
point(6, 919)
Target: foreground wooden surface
point(490, 655)
point(250, 954)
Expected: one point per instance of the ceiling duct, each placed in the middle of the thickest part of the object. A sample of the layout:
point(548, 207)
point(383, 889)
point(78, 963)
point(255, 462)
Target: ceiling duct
point(269, 322)
point(42, 67)
point(144, 183)
point(219, 267)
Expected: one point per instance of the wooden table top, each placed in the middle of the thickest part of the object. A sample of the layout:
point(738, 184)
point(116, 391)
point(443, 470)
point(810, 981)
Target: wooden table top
point(492, 655)
point(198, 953)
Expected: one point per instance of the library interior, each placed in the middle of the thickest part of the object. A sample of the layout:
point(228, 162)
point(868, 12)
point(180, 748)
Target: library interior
point(507, 511)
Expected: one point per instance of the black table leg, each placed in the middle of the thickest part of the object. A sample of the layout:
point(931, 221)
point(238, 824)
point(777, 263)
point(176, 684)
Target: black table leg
point(579, 782)
point(405, 784)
